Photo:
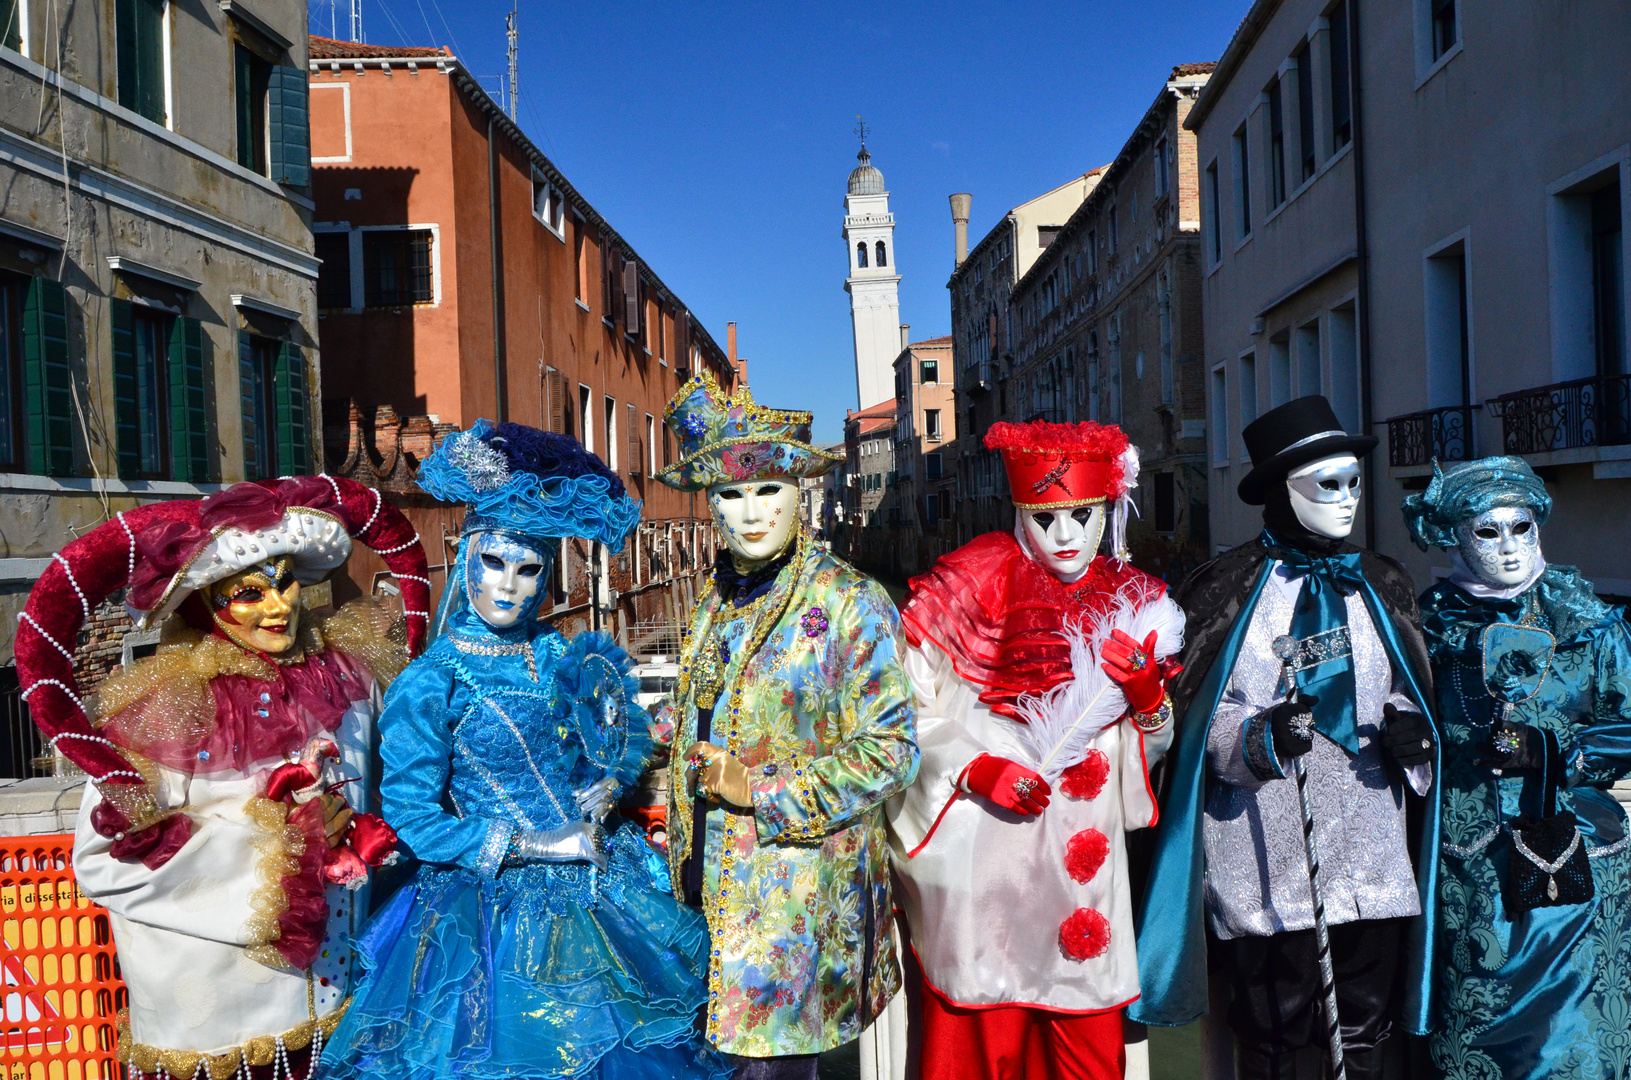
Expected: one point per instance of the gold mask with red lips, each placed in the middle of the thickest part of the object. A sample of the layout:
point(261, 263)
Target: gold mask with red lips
point(259, 608)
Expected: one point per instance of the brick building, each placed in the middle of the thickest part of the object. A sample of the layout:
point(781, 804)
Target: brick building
point(925, 422)
point(465, 277)
point(871, 501)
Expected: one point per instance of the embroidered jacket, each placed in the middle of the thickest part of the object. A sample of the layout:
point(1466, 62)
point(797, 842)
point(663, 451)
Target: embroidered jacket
point(797, 895)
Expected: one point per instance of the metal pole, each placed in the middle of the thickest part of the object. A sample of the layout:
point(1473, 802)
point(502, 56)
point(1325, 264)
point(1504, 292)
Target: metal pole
point(1286, 649)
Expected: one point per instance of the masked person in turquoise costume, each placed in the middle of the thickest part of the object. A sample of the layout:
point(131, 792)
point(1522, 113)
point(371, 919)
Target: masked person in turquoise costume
point(792, 722)
point(537, 938)
point(1534, 692)
point(1230, 880)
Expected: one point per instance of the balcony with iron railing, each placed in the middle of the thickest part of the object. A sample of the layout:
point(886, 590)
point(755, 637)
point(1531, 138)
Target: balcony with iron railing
point(1415, 440)
point(1566, 421)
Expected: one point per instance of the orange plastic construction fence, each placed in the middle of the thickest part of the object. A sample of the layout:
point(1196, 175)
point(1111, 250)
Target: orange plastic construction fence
point(61, 980)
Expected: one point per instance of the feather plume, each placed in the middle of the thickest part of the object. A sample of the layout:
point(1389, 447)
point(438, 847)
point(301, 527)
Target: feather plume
point(1060, 726)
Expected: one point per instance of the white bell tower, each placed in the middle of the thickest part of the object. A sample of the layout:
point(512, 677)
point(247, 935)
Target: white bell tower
point(873, 285)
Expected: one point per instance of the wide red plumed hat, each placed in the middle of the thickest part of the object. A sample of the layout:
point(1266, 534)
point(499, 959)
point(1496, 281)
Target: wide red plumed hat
point(1053, 465)
point(162, 553)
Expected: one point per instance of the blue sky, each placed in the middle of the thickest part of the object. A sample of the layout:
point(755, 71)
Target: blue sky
point(717, 138)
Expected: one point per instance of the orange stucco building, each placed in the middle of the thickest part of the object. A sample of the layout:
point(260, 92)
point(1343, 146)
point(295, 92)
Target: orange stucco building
point(464, 277)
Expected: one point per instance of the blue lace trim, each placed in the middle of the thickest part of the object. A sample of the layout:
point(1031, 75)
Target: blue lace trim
point(497, 843)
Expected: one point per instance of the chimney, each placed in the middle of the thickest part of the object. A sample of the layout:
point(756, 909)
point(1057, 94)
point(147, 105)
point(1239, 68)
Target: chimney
point(730, 343)
point(905, 336)
point(960, 204)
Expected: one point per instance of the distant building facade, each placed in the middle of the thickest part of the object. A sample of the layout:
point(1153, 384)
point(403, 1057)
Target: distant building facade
point(872, 509)
point(465, 277)
point(158, 314)
point(1456, 285)
point(873, 283)
point(1108, 327)
point(925, 423)
point(983, 335)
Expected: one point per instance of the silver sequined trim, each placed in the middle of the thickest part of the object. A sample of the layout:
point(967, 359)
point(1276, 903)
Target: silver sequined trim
point(1488, 836)
point(1322, 648)
point(492, 850)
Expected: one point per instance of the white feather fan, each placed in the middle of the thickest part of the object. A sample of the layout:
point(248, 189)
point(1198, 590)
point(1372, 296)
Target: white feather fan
point(1061, 724)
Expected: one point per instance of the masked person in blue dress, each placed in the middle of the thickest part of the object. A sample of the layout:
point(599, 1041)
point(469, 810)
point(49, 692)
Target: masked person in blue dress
point(1533, 675)
point(536, 938)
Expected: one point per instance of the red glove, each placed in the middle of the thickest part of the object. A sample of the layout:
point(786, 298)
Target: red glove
point(1134, 666)
point(1008, 784)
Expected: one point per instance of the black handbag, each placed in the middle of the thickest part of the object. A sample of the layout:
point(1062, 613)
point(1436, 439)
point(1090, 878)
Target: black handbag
point(1549, 865)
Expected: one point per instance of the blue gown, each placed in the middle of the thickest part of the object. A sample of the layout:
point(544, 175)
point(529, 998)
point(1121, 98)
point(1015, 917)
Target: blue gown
point(1547, 994)
point(480, 970)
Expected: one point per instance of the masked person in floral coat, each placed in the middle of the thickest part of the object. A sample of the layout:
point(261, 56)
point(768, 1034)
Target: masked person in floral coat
point(796, 723)
point(1037, 663)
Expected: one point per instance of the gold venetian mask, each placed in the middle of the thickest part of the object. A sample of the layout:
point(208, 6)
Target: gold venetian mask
point(259, 608)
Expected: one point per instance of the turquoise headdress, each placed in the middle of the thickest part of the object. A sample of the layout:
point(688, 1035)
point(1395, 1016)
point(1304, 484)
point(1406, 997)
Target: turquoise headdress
point(730, 439)
point(531, 483)
point(1465, 490)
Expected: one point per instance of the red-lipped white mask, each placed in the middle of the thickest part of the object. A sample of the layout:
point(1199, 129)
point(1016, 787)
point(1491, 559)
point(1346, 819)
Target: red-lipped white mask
point(1063, 539)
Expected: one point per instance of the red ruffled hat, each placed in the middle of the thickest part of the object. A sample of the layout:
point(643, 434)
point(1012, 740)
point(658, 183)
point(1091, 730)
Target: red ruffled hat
point(161, 553)
point(1054, 465)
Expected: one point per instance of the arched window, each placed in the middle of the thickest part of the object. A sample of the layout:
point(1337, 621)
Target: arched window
point(860, 254)
point(883, 257)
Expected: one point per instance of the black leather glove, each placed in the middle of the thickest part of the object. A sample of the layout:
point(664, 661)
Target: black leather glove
point(1291, 725)
point(1513, 748)
point(1407, 737)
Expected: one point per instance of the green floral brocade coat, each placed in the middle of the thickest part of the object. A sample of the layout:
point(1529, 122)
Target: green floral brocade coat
point(796, 892)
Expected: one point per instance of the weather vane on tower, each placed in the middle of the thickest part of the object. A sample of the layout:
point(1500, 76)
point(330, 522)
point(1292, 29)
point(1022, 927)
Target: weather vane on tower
point(861, 130)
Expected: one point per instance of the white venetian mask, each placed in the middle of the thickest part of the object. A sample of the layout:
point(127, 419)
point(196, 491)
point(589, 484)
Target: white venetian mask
point(1065, 539)
point(1501, 546)
point(1325, 495)
point(756, 517)
point(504, 577)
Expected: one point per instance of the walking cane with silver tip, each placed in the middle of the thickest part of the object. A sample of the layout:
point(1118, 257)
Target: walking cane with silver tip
point(1287, 650)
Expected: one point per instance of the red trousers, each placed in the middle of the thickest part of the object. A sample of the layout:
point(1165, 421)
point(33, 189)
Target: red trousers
point(1017, 1043)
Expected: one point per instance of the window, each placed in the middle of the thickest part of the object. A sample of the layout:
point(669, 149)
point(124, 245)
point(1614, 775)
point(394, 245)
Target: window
point(579, 239)
point(1166, 502)
point(548, 206)
point(554, 392)
point(11, 356)
point(1305, 112)
point(929, 371)
point(1243, 183)
point(46, 381)
point(1214, 228)
point(651, 444)
point(1092, 251)
point(1449, 354)
point(1220, 416)
point(586, 416)
point(1135, 205)
point(1248, 388)
point(636, 458)
point(1279, 369)
point(1277, 146)
point(1608, 279)
point(1308, 359)
point(668, 447)
point(11, 34)
point(272, 387)
point(1114, 238)
point(1164, 304)
point(1161, 180)
point(1341, 104)
point(932, 466)
point(334, 276)
point(1046, 235)
point(610, 456)
point(860, 255)
point(931, 424)
point(138, 30)
point(142, 450)
point(396, 267)
point(1344, 393)
point(253, 78)
point(1445, 33)
point(883, 256)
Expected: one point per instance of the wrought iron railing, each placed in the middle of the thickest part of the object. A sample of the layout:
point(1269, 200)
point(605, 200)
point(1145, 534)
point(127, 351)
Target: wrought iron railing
point(23, 753)
point(1564, 416)
point(1419, 437)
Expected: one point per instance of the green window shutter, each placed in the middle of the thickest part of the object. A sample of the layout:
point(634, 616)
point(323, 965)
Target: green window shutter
point(138, 30)
point(289, 125)
point(292, 456)
point(48, 382)
point(249, 391)
point(189, 420)
point(126, 410)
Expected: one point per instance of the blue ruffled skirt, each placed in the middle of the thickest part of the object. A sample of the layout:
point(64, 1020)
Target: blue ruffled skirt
point(539, 973)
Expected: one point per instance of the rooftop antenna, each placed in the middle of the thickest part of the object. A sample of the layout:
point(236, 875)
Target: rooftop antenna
point(512, 33)
point(861, 130)
point(356, 20)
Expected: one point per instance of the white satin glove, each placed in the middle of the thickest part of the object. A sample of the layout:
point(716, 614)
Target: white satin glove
point(597, 800)
point(581, 841)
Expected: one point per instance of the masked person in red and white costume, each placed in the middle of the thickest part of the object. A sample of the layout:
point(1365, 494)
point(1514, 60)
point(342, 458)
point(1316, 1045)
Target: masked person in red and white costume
point(1040, 669)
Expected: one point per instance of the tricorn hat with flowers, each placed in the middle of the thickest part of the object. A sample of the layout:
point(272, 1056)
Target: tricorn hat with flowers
point(730, 439)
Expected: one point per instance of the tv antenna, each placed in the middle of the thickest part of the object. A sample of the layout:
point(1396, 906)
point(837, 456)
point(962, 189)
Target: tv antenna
point(356, 20)
point(511, 31)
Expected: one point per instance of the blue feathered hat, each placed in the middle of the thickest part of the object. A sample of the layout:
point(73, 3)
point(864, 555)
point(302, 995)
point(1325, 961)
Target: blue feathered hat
point(536, 483)
point(1467, 489)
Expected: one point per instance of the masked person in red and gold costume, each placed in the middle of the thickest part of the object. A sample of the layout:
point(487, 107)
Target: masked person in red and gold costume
point(225, 825)
point(1039, 666)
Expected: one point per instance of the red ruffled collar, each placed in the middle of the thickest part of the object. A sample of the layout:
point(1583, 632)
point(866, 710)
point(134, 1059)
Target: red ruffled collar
point(1001, 617)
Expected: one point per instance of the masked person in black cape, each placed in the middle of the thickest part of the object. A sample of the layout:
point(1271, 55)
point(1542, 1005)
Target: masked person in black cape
point(1230, 873)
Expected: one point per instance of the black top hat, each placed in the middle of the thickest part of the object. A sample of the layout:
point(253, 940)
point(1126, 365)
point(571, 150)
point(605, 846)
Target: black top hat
point(1302, 430)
